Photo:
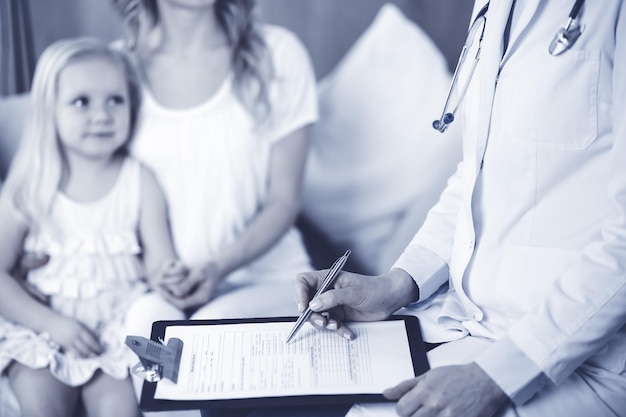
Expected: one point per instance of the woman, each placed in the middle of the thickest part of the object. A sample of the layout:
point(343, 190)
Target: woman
point(227, 102)
point(223, 125)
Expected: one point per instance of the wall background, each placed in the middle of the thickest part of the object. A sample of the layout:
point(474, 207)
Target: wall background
point(330, 27)
point(327, 27)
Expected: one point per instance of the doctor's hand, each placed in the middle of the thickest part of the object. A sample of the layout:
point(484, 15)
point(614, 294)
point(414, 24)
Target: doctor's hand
point(354, 297)
point(459, 390)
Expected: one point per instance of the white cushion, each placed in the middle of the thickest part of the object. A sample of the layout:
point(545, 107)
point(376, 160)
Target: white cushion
point(375, 162)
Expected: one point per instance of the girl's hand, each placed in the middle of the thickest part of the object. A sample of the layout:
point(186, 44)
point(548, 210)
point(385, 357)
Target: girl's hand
point(73, 336)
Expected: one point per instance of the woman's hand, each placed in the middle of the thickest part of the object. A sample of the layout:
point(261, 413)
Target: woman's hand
point(354, 297)
point(459, 390)
point(73, 336)
point(28, 262)
point(36, 293)
point(169, 278)
point(196, 289)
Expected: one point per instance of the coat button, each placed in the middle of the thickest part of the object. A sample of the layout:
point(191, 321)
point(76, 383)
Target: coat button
point(471, 244)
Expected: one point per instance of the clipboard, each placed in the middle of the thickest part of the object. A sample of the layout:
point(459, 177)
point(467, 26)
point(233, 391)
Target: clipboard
point(178, 361)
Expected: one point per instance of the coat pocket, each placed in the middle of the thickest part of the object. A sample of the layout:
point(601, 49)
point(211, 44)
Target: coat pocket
point(553, 101)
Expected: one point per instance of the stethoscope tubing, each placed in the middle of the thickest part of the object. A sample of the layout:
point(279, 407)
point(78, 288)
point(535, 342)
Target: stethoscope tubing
point(573, 14)
point(447, 117)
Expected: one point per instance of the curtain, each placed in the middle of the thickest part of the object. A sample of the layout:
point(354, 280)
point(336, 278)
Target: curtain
point(17, 58)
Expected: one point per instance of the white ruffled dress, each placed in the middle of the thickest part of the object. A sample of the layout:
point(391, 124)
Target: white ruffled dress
point(93, 275)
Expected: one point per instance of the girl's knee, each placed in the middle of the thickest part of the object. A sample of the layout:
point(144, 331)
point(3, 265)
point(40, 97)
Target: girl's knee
point(52, 398)
point(38, 409)
point(57, 408)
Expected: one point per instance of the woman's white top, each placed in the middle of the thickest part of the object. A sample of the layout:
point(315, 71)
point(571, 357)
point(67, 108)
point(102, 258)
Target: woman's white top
point(213, 162)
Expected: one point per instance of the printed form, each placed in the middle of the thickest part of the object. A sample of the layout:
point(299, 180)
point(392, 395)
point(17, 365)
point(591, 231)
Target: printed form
point(252, 360)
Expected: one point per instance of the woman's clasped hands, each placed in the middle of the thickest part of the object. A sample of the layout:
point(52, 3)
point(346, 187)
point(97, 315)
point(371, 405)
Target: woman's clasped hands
point(187, 287)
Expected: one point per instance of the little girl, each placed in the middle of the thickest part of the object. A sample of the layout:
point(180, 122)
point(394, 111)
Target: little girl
point(74, 194)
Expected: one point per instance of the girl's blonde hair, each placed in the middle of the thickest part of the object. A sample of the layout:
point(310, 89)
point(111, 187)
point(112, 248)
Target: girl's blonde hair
point(250, 58)
point(36, 169)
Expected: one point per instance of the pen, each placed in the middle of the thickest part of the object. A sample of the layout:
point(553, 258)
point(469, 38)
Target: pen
point(328, 281)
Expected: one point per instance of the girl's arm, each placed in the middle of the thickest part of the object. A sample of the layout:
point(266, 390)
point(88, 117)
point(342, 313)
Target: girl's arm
point(18, 306)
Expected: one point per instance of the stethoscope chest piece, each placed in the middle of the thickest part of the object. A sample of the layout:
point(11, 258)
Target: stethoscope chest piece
point(565, 38)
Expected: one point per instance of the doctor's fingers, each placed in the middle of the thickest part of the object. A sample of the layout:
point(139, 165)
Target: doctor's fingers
point(411, 400)
point(349, 296)
point(306, 284)
point(335, 324)
point(396, 392)
point(332, 321)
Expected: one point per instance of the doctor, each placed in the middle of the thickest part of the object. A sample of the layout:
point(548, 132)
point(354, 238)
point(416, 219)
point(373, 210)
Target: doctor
point(529, 235)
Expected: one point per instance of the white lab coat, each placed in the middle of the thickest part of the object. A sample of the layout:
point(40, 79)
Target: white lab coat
point(532, 227)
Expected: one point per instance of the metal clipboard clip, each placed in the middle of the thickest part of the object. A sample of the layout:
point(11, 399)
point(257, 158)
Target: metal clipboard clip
point(157, 360)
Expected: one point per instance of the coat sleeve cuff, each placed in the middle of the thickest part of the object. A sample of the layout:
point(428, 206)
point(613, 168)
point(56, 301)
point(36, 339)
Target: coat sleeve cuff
point(428, 270)
point(514, 372)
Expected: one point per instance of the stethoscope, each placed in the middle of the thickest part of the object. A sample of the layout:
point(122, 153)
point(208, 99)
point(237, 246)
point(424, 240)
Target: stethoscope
point(564, 39)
